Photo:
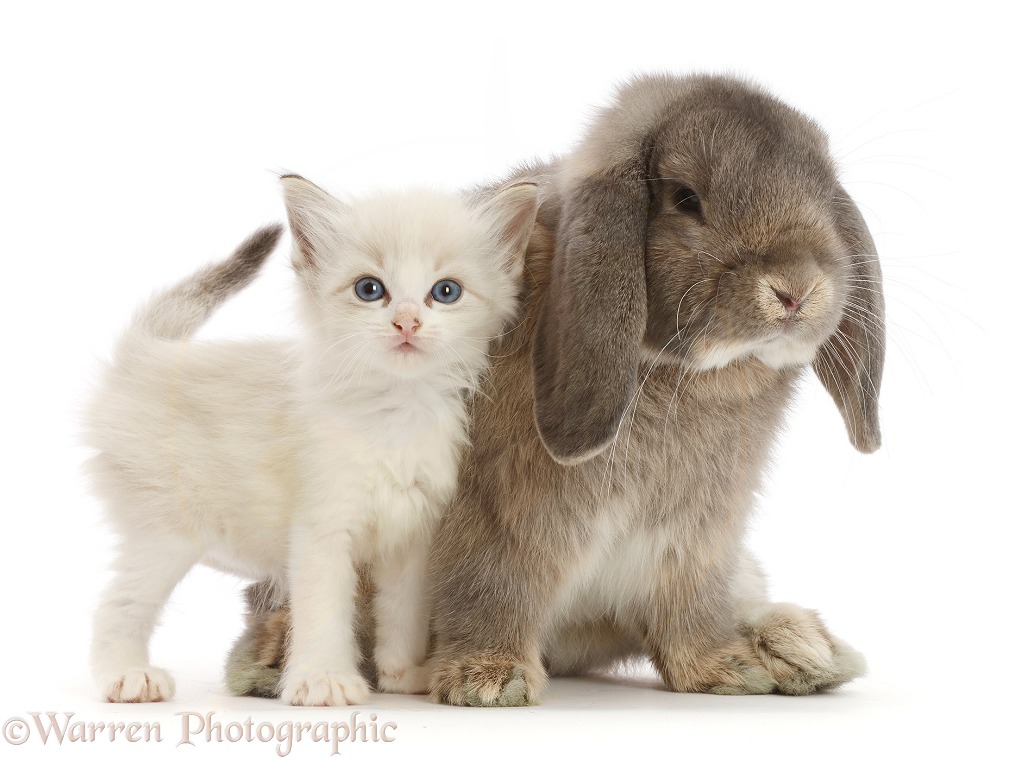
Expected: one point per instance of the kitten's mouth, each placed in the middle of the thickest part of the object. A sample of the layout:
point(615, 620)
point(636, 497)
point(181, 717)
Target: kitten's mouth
point(406, 348)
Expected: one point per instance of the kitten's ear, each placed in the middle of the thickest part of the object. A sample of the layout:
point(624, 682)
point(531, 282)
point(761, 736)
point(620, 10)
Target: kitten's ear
point(511, 214)
point(314, 216)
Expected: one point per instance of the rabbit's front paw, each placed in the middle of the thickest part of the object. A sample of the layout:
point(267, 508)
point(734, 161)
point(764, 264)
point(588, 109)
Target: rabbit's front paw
point(732, 669)
point(487, 680)
point(799, 652)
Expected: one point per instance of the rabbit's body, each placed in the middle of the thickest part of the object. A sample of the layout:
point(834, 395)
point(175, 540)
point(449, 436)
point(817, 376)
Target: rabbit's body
point(696, 253)
point(692, 257)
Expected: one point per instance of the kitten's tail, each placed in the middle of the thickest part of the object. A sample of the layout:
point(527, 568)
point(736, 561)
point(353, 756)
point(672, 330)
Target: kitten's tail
point(177, 313)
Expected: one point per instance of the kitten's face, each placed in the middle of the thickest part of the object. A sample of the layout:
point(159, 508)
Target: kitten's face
point(406, 285)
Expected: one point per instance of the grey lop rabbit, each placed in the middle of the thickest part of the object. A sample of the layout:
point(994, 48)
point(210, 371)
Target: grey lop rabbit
point(692, 257)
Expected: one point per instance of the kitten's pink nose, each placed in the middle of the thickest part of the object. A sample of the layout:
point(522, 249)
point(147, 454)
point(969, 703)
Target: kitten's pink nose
point(406, 322)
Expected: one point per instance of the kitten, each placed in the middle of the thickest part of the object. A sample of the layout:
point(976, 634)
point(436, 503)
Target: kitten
point(294, 461)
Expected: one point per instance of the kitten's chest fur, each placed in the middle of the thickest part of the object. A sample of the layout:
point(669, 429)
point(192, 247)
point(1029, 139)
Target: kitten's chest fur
point(393, 455)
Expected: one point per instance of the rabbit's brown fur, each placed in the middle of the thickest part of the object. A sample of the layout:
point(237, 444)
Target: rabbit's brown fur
point(692, 256)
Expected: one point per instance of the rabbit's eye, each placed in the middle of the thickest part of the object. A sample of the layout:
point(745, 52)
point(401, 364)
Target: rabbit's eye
point(686, 200)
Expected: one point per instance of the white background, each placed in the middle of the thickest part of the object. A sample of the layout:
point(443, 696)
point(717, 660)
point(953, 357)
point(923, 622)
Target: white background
point(138, 143)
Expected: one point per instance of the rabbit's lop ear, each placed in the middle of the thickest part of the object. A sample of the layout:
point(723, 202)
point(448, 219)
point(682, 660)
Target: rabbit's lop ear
point(591, 326)
point(850, 363)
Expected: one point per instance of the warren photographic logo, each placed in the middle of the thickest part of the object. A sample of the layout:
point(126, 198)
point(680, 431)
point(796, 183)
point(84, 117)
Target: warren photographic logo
point(194, 728)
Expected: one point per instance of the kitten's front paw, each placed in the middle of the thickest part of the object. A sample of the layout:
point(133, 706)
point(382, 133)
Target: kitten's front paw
point(327, 689)
point(410, 679)
point(139, 685)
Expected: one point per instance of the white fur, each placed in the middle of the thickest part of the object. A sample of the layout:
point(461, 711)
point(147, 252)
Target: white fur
point(777, 353)
point(619, 573)
point(294, 461)
point(786, 352)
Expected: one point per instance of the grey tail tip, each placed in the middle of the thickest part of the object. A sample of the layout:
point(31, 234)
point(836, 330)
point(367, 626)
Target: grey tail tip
point(266, 236)
point(261, 243)
point(245, 262)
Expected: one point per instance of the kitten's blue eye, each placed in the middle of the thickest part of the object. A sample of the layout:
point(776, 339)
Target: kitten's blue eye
point(446, 291)
point(369, 289)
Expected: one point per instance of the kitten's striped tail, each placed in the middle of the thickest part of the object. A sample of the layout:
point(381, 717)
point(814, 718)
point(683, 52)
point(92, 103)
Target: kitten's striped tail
point(177, 313)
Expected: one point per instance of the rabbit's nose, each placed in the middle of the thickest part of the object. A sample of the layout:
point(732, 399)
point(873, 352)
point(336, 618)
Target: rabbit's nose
point(789, 302)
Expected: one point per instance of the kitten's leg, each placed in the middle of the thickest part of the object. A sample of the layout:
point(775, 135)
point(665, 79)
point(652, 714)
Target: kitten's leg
point(403, 616)
point(321, 665)
point(146, 572)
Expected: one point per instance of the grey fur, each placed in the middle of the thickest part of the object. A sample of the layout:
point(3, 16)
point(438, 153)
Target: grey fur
point(602, 504)
point(253, 666)
point(245, 674)
point(640, 445)
point(184, 308)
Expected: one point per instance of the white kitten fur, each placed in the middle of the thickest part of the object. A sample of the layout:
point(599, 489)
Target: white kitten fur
point(294, 461)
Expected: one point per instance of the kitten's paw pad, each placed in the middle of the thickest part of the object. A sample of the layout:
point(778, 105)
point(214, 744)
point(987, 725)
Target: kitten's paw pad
point(488, 681)
point(798, 651)
point(410, 679)
point(326, 689)
point(139, 685)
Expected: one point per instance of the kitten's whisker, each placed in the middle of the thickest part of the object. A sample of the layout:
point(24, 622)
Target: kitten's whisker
point(331, 346)
point(472, 374)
